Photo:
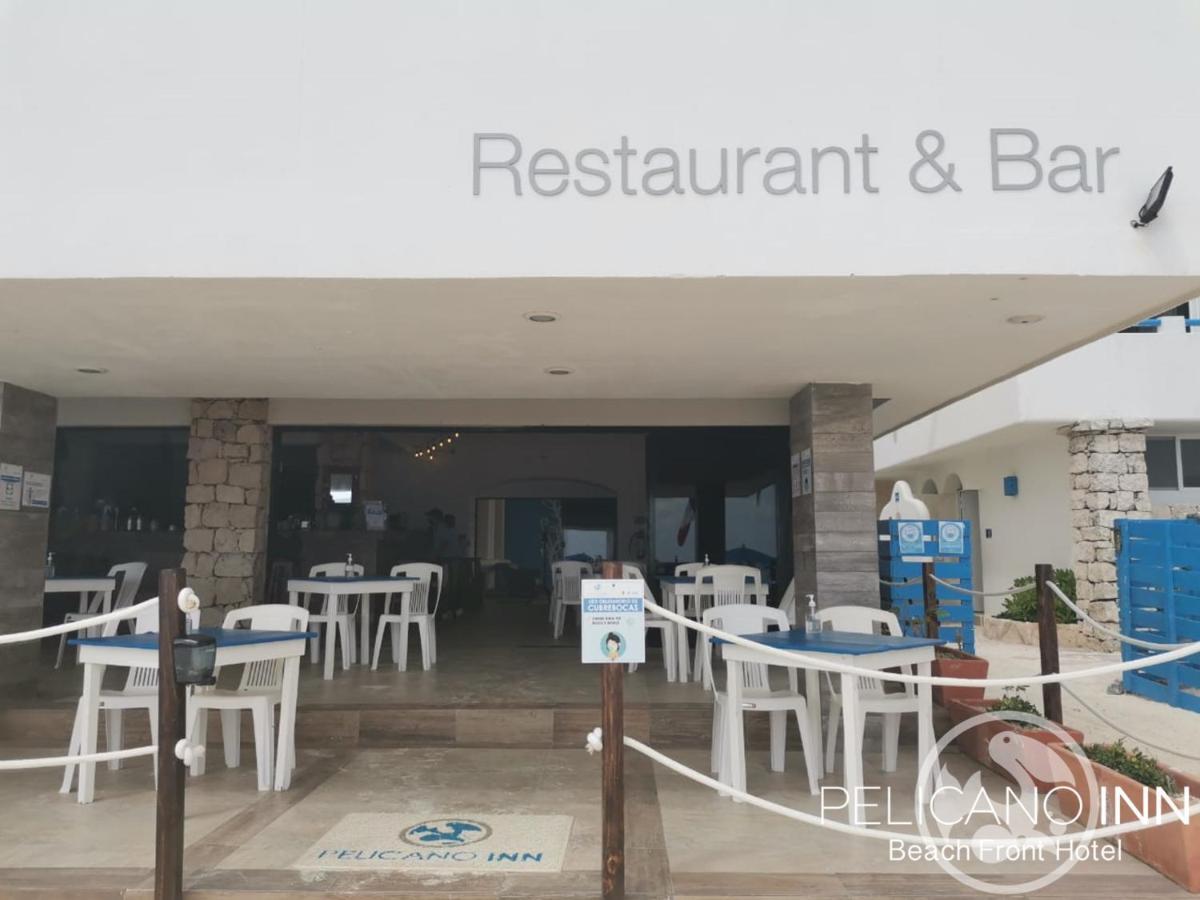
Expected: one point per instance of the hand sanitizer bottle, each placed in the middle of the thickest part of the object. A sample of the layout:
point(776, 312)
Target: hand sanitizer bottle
point(49, 565)
point(349, 563)
point(811, 625)
point(706, 559)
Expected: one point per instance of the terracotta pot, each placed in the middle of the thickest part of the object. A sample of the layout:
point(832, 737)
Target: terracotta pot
point(951, 663)
point(1173, 848)
point(976, 741)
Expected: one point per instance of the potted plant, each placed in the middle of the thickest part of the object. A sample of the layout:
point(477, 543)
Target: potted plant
point(955, 662)
point(976, 742)
point(1133, 784)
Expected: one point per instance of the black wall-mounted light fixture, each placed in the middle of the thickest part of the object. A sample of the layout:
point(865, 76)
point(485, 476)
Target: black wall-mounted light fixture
point(1154, 200)
point(195, 659)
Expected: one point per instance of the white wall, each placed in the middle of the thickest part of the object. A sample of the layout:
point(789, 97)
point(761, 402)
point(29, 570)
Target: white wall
point(1121, 376)
point(335, 137)
point(1033, 527)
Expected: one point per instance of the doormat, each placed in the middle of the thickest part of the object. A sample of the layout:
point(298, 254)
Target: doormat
point(471, 842)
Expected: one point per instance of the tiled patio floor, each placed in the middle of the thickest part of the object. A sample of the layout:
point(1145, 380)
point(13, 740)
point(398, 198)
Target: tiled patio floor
point(683, 840)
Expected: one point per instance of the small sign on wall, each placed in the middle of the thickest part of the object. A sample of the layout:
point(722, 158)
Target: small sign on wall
point(614, 621)
point(36, 490)
point(806, 473)
point(10, 486)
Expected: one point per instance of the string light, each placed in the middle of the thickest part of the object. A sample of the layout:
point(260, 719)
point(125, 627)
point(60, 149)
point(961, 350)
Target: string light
point(429, 451)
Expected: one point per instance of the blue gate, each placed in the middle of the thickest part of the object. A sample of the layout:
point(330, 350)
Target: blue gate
point(948, 543)
point(1158, 576)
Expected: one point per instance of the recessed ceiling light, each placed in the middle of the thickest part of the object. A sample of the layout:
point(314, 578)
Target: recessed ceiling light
point(541, 317)
point(1024, 320)
point(91, 370)
point(559, 370)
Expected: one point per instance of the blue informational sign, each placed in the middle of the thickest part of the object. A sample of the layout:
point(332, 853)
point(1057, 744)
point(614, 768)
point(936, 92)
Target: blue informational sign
point(614, 621)
point(951, 538)
point(910, 539)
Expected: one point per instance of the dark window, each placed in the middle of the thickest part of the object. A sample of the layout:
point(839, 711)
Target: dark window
point(1161, 464)
point(1189, 454)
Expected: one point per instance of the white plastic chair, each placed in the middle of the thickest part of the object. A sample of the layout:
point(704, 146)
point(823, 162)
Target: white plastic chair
point(130, 580)
point(690, 603)
point(872, 698)
point(727, 585)
point(757, 695)
point(140, 692)
point(342, 618)
point(787, 603)
point(568, 587)
point(653, 620)
point(416, 612)
point(259, 691)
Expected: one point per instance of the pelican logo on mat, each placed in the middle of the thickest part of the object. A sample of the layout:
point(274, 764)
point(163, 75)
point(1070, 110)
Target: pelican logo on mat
point(446, 833)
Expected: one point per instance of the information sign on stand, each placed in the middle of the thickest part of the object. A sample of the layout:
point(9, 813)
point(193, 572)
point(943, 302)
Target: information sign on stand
point(614, 621)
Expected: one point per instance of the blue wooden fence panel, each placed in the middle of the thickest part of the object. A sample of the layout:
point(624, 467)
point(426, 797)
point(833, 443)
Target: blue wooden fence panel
point(1158, 580)
point(956, 610)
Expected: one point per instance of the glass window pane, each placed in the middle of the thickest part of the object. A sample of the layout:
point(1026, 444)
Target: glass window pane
point(674, 530)
point(1160, 463)
point(751, 535)
point(1189, 452)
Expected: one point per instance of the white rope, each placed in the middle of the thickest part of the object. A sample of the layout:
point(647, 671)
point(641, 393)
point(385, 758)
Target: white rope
point(53, 762)
point(79, 625)
point(1125, 639)
point(908, 583)
point(1047, 841)
point(804, 660)
point(958, 587)
point(1120, 730)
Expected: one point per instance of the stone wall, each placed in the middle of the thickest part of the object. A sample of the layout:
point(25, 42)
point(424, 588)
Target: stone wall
point(27, 431)
point(225, 521)
point(1108, 482)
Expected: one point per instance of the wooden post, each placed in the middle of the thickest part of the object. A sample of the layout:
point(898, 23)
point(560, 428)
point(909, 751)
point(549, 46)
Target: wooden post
point(1043, 573)
point(612, 723)
point(172, 711)
point(929, 589)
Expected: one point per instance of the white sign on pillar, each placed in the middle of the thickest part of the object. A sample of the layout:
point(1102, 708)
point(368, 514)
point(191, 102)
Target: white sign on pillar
point(613, 621)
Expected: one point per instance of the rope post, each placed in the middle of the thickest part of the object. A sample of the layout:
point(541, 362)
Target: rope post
point(172, 707)
point(612, 759)
point(929, 590)
point(1043, 574)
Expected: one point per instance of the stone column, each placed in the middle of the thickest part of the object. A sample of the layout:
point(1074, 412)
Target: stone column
point(833, 525)
point(225, 521)
point(27, 428)
point(1108, 482)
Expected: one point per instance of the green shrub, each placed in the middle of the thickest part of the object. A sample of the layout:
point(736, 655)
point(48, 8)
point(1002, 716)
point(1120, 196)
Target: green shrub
point(1023, 605)
point(1132, 763)
point(1014, 701)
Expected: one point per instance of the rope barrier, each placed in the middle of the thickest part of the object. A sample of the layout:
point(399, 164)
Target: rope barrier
point(804, 660)
point(78, 625)
point(909, 583)
point(958, 587)
point(1123, 638)
point(1120, 730)
point(595, 743)
point(51, 762)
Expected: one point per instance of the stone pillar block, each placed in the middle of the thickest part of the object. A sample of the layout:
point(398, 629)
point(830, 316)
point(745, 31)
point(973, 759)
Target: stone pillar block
point(834, 531)
point(225, 523)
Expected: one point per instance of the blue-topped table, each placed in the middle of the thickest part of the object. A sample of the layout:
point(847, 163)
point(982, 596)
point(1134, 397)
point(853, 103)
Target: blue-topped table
point(234, 647)
point(867, 651)
point(337, 591)
point(676, 589)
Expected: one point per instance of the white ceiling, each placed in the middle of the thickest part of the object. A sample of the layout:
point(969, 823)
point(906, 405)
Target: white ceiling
point(921, 341)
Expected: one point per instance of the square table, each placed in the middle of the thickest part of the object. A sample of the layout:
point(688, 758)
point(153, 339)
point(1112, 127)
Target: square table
point(867, 651)
point(675, 591)
point(334, 587)
point(234, 646)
